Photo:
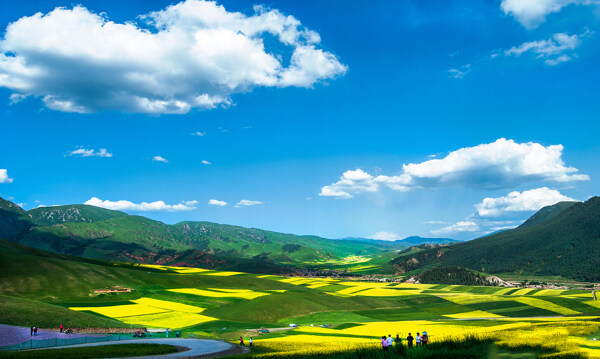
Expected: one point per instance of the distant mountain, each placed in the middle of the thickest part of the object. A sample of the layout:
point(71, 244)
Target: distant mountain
point(98, 233)
point(402, 243)
point(417, 241)
point(563, 239)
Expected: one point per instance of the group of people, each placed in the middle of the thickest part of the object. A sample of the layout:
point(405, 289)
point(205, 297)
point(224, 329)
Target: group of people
point(389, 342)
point(249, 342)
point(33, 331)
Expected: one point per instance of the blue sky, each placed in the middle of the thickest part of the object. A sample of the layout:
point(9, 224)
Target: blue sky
point(485, 99)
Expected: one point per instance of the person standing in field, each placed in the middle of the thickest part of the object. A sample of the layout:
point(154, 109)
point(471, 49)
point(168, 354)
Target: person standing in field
point(424, 339)
point(167, 333)
point(242, 341)
point(250, 342)
point(384, 343)
point(398, 341)
point(418, 338)
point(62, 328)
point(409, 340)
point(31, 331)
point(390, 341)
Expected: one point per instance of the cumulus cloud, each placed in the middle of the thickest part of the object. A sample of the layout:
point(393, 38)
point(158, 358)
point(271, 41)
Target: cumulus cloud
point(531, 200)
point(194, 54)
point(159, 159)
point(246, 203)
point(102, 152)
point(458, 227)
point(216, 202)
point(356, 181)
point(531, 13)
point(386, 236)
point(157, 206)
point(4, 176)
point(555, 50)
point(499, 164)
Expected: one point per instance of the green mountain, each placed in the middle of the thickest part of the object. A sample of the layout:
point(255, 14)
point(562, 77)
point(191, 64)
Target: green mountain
point(92, 232)
point(13, 219)
point(47, 216)
point(562, 240)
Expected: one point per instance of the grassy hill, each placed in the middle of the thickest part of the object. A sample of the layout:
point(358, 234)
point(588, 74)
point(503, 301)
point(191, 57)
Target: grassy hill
point(47, 216)
point(563, 240)
point(92, 232)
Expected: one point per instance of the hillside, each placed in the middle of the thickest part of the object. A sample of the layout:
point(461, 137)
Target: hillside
point(98, 233)
point(563, 240)
point(47, 216)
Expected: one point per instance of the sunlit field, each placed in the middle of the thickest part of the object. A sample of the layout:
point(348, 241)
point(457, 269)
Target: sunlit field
point(340, 315)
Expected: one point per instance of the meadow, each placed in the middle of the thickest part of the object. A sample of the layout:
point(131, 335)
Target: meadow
point(333, 316)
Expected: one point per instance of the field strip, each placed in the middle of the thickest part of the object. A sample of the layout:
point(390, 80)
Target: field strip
point(221, 294)
point(163, 304)
point(543, 304)
point(473, 314)
point(172, 319)
point(125, 310)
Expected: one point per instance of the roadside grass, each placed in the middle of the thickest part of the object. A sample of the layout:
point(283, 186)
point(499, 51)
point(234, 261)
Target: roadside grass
point(102, 351)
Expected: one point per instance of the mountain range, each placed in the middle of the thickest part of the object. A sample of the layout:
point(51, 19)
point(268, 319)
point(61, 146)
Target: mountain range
point(98, 233)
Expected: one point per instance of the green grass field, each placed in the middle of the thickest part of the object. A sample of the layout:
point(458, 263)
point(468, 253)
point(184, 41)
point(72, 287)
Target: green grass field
point(52, 289)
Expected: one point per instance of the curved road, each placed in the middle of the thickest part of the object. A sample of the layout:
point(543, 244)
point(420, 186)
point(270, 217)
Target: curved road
point(196, 347)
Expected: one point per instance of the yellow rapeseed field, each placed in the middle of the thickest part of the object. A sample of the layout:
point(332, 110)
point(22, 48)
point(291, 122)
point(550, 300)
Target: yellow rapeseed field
point(125, 310)
point(222, 293)
point(171, 319)
point(164, 304)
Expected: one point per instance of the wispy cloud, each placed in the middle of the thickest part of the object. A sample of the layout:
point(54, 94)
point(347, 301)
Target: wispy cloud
point(247, 203)
point(205, 162)
point(460, 72)
point(458, 227)
point(555, 50)
point(83, 152)
point(157, 206)
point(159, 159)
point(198, 133)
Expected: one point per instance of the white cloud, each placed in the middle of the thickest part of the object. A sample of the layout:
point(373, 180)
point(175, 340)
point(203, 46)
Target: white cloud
point(460, 72)
point(158, 206)
point(499, 164)
point(555, 50)
point(102, 152)
point(206, 162)
point(531, 13)
point(216, 202)
point(356, 181)
point(531, 200)
point(194, 54)
point(458, 227)
point(4, 176)
point(386, 236)
point(159, 159)
point(198, 133)
point(247, 202)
